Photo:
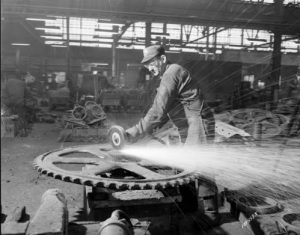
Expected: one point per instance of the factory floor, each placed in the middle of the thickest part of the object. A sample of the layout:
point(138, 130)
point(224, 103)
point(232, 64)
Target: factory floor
point(21, 185)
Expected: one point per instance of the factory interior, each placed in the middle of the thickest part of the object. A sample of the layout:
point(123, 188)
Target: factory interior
point(144, 117)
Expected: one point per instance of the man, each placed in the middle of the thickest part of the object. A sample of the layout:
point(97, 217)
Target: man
point(178, 99)
point(13, 95)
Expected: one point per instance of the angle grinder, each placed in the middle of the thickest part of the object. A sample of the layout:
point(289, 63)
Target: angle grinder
point(117, 137)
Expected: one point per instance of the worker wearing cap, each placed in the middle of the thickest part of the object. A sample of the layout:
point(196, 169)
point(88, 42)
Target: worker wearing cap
point(178, 98)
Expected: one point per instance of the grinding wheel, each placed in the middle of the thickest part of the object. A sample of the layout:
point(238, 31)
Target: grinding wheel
point(117, 137)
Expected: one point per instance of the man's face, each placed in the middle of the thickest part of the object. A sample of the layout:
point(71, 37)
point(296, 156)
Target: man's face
point(154, 66)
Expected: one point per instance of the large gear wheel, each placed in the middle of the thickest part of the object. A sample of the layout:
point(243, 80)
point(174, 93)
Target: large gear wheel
point(109, 169)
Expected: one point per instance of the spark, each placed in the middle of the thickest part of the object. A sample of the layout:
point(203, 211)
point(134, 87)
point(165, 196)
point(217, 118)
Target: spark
point(256, 171)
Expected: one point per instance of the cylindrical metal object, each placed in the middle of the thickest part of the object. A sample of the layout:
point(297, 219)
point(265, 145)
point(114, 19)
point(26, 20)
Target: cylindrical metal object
point(114, 228)
point(118, 224)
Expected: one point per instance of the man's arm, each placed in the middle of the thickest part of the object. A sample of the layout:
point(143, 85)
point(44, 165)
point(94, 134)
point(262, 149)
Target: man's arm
point(157, 114)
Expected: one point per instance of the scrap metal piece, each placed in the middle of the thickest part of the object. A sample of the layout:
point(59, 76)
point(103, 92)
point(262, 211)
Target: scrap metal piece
point(227, 130)
point(247, 119)
point(109, 169)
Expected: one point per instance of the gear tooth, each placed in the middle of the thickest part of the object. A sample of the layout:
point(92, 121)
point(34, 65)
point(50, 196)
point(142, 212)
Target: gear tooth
point(136, 187)
point(59, 177)
point(76, 181)
point(123, 187)
point(100, 185)
point(112, 186)
point(67, 179)
point(147, 186)
point(88, 183)
point(158, 186)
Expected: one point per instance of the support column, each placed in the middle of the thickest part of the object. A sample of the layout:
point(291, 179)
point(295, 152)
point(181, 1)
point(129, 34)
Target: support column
point(18, 56)
point(276, 55)
point(276, 66)
point(207, 42)
point(164, 40)
point(68, 48)
point(96, 86)
point(114, 59)
point(148, 34)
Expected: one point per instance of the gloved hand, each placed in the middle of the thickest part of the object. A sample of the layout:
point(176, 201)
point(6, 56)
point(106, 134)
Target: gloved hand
point(132, 134)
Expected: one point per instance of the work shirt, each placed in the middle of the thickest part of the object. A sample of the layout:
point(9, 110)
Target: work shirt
point(180, 99)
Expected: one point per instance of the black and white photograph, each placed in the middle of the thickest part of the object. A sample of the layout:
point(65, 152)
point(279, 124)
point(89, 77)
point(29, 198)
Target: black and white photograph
point(150, 117)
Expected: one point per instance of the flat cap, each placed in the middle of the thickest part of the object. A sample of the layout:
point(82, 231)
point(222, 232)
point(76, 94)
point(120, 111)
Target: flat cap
point(152, 51)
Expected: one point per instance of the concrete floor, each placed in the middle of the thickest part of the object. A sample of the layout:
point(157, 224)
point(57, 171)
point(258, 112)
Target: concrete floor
point(22, 185)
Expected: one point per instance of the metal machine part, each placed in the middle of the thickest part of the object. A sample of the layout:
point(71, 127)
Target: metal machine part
point(109, 169)
point(226, 130)
point(247, 119)
point(118, 224)
point(78, 112)
point(117, 137)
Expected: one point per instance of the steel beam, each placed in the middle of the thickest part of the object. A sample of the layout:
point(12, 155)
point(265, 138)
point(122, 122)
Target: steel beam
point(228, 14)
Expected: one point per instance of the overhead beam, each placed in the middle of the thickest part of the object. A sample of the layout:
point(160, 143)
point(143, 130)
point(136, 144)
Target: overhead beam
point(32, 32)
point(232, 14)
point(124, 29)
point(209, 34)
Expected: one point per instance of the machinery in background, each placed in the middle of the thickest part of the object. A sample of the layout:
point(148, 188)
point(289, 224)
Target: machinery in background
point(59, 98)
point(128, 100)
point(112, 100)
point(84, 122)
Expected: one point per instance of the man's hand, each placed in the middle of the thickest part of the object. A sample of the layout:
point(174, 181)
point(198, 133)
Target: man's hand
point(132, 134)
